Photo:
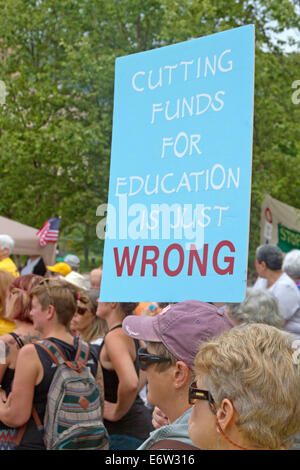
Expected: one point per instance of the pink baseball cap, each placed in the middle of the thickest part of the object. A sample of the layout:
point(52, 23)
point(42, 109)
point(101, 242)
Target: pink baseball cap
point(181, 327)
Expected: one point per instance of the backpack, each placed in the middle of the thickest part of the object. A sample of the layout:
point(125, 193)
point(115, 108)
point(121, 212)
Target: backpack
point(73, 417)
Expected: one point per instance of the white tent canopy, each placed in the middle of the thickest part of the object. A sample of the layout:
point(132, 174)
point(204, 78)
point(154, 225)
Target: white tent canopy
point(26, 240)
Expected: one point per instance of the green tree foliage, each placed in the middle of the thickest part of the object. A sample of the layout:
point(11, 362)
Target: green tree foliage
point(57, 61)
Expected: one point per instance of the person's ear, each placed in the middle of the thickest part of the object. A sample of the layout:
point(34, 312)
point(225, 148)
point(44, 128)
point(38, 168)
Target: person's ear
point(263, 264)
point(51, 312)
point(226, 414)
point(5, 252)
point(181, 374)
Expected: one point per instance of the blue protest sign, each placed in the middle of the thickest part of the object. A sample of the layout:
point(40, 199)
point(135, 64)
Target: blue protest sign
point(180, 178)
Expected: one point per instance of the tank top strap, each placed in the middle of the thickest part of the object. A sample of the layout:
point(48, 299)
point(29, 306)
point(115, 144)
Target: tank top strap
point(17, 339)
point(115, 327)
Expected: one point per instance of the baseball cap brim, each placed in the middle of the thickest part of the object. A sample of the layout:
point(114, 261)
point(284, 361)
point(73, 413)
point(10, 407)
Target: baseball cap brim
point(52, 268)
point(140, 327)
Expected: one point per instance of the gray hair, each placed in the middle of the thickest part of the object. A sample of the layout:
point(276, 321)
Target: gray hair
point(7, 242)
point(259, 306)
point(291, 264)
point(271, 255)
point(253, 366)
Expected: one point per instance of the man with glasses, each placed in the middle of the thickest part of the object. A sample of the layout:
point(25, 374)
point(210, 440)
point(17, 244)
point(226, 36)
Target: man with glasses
point(172, 340)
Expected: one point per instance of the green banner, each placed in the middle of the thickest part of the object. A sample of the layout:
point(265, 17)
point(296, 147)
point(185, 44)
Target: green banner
point(288, 239)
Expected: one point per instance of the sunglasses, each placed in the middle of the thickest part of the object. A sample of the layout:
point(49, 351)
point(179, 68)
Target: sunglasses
point(146, 359)
point(81, 310)
point(199, 394)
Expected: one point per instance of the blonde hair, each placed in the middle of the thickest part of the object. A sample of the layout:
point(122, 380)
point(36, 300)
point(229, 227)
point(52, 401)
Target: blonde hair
point(6, 279)
point(98, 327)
point(253, 366)
point(59, 293)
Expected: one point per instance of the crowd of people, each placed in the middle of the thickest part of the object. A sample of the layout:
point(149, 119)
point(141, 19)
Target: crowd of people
point(189, 375)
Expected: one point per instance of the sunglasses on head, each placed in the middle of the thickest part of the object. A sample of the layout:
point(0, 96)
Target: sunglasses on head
point(81, 310)
point(199, 394)
point(146, 359)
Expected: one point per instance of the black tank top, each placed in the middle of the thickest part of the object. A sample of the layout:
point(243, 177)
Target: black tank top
point(8, 376)
point(32, 439)
point(110, 378)
point(138, 420)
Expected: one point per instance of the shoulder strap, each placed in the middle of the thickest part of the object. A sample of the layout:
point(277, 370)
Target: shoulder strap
point(172, 444)
point(82, 354)
point(83, 351)
point(53, 351)
point(113, 328)
point(17, 338)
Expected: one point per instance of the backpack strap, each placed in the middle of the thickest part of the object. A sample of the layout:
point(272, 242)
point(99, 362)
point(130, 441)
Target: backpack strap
point(83, 351)
point(58, 357)
point(172, 444)
point(53, 351)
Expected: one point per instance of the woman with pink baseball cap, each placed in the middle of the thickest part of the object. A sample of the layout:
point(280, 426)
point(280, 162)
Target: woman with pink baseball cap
point(173, 339)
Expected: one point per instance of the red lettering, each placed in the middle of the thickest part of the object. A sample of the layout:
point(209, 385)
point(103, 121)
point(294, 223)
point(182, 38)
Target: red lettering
point(194, 257)
point(202, 266)
point(227, 259)
point(151, 261)
point(168, 271)
point(125, 257)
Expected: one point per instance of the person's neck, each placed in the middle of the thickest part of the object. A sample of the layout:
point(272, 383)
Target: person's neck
point(237, 442)
point(58, 332)
point(177, 408)
point(273, 276)
point(83, 332)
point(27, 331)
point(23, 328)
point(114, 319)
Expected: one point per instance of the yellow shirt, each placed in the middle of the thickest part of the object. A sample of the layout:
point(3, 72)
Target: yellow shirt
point(6, 326)
point(8, 265)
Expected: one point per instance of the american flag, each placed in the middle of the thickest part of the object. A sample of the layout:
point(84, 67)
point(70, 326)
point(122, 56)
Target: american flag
point(49, 231)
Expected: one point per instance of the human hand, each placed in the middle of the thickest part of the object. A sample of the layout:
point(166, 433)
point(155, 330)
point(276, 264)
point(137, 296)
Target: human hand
point(159, 419)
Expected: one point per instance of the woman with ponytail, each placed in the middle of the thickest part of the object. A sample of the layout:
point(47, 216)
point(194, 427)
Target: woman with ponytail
point(127, 419)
